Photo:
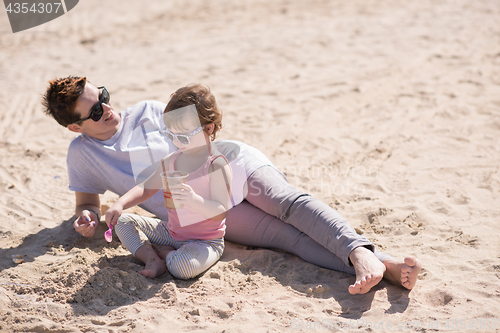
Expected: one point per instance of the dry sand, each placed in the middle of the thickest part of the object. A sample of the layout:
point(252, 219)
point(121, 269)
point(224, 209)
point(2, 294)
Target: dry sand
point(387, 110)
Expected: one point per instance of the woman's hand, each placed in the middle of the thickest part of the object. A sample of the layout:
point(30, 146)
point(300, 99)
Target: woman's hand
point(87, 223)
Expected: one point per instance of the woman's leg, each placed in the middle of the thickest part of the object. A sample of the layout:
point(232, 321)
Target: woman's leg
point(248, 225)
point(269, 190)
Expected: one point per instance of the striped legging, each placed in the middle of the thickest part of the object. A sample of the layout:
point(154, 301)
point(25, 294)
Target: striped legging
point(191, 258)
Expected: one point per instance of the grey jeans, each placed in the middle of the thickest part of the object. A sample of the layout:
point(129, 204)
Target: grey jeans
point(293, 221)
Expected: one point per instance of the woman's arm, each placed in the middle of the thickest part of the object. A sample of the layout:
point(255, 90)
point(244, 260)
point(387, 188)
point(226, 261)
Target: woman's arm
point(87, 210)
point(220, 186)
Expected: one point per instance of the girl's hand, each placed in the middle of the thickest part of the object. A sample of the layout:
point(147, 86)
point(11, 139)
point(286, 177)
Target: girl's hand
point(113, 214)
point(185, 194)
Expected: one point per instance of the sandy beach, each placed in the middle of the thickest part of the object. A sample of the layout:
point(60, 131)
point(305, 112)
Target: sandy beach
point(388, 111)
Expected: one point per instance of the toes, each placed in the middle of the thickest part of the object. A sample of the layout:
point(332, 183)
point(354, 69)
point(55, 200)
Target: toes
point(147, 273)
point(355, 288)
point(412, 264)
point(363, 285)
point(409, 272)
point(359, 283)
point(364, 280)
point(411, 261)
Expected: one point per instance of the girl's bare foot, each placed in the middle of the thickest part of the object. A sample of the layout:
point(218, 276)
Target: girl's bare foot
point(163, 251)
point(369, 270)
point(155, 266)
point(403, 272)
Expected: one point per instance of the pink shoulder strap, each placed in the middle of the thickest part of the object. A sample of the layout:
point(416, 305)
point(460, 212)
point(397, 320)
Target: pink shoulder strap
point(171, 162)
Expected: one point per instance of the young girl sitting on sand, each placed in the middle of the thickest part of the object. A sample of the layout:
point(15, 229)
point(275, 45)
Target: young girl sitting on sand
point(192, 239)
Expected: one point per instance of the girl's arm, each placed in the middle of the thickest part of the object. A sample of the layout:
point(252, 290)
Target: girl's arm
point(136, 195)
point(220, 189)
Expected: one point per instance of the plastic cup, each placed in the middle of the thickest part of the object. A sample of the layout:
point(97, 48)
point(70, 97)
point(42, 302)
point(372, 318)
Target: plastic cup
point(170, 180)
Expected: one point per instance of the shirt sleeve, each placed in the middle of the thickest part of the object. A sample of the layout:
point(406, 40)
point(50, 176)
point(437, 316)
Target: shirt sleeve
point(83, 176)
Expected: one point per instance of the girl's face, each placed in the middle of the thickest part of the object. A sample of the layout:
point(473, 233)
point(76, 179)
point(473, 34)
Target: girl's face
point(192, 138)
point(187, 133)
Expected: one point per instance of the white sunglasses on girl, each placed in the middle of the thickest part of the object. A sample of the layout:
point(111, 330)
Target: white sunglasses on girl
point(182, 138)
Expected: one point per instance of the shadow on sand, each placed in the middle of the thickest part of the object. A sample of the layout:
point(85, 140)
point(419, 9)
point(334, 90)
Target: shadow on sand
point(95, 287)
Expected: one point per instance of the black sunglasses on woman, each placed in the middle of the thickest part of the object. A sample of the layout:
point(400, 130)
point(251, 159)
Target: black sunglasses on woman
point(96, 111)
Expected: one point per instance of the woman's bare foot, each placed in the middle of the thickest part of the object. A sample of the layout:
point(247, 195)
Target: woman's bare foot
point(369, 270)
point(403, 272)
point(155, 266)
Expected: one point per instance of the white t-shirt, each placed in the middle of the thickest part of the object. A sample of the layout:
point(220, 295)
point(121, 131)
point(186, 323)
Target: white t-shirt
point(134, 152)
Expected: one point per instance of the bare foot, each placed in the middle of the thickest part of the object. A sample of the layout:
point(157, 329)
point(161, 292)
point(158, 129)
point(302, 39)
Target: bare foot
point(163, 251)
point(403, 273)
point(369, 270)
point(155, 266)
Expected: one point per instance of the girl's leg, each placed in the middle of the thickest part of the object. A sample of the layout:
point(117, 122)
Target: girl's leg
point(128, 230)
point(269, 190)
point(130, 226)
point(194, 257)
point(248, 225)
